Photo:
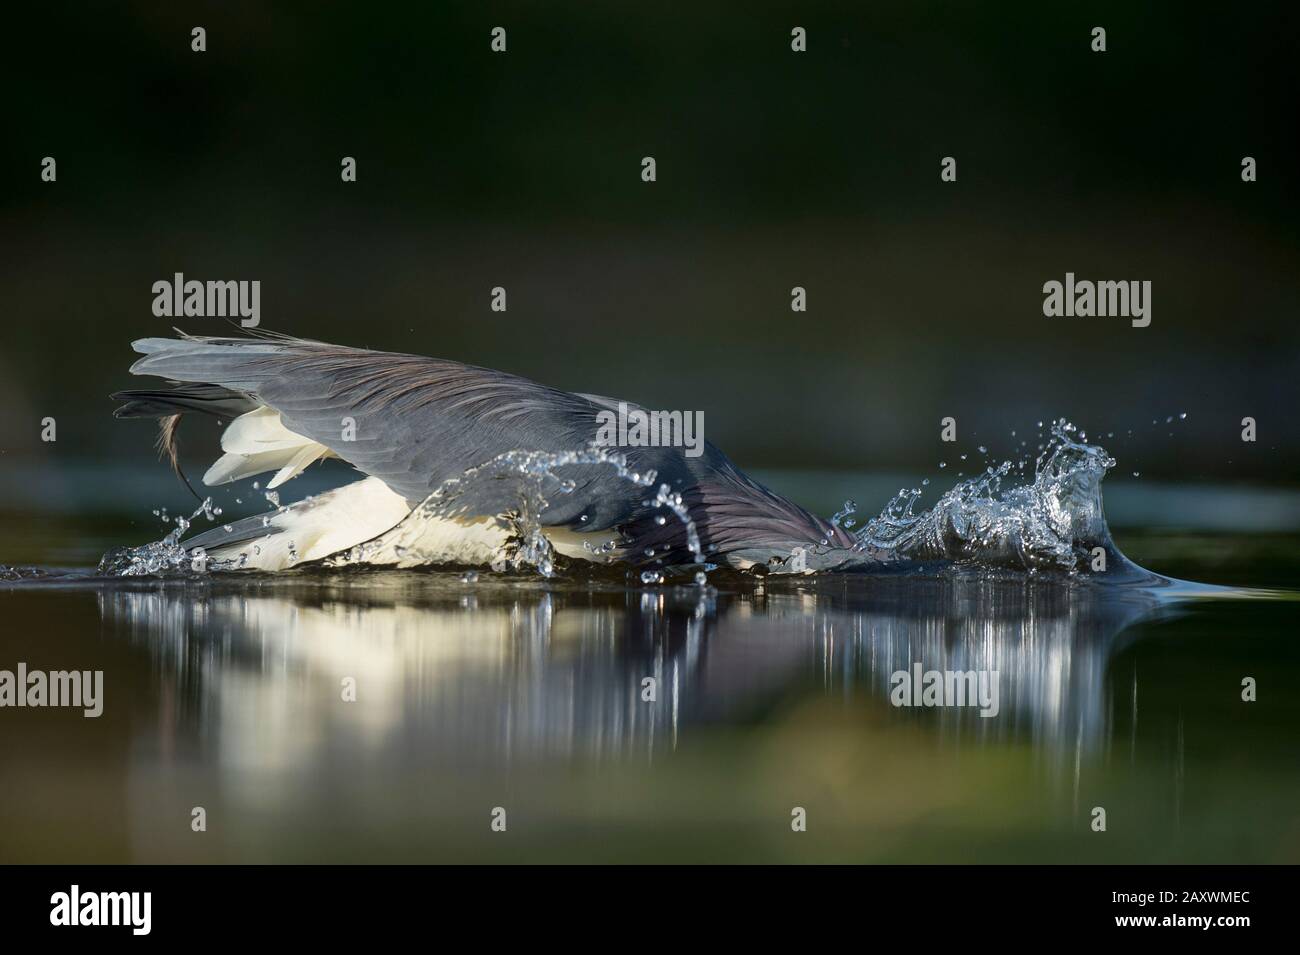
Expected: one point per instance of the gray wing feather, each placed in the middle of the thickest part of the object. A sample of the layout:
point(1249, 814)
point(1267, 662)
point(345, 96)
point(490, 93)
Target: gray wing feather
point(416, 421)
point(420, 421)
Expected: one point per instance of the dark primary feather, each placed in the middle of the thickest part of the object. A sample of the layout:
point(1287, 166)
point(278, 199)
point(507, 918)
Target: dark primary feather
point(170, 404)
point(200, 397)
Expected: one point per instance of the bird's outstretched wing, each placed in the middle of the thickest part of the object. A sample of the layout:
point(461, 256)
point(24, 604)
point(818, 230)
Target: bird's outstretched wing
point(415, 422)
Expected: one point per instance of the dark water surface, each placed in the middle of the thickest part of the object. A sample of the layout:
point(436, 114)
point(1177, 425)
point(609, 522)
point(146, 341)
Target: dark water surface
point(525, 694)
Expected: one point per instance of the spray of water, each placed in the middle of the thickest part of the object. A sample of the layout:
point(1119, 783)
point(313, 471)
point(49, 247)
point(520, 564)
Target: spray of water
point(160, 556)
point(533, 483)
point(1052, 521)
point(996, 518)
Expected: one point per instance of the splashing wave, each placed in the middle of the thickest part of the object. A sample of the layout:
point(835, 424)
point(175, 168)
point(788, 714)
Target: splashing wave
point(1053, 522)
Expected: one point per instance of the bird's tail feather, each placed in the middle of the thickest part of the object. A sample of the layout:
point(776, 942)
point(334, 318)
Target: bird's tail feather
point(169, 405)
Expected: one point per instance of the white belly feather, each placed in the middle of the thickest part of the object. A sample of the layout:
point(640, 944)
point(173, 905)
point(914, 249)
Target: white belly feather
point(354, 514)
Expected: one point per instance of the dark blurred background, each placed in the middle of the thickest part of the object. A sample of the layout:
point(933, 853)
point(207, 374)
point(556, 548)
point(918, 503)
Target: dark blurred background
point(775, 169)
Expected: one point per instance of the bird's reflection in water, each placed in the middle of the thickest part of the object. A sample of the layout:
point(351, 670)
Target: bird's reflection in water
point(499, 672)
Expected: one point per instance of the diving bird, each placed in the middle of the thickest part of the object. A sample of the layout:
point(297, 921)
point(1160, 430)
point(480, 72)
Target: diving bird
point(411, 424)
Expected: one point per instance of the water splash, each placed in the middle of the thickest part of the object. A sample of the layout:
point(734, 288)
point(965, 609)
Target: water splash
point(1051, 522)
point(533, 483)
point(166, 555)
